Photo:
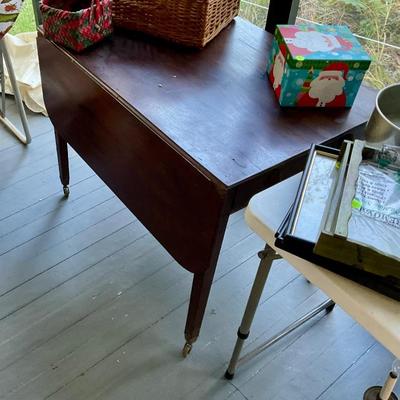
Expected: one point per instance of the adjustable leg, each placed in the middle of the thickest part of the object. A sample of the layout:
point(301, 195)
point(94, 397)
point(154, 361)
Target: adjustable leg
point(23, 137)
point(384, 392)
point(63, 164)
point(267, 256)
point(327, 305)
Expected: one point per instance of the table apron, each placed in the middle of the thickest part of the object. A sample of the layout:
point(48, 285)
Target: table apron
point(243, 192)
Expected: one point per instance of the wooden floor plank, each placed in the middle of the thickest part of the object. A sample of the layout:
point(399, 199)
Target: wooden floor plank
point(15, 254)
point(20, 161)
point(33, 301)
point(69, 303)
point(50, 204)
point(55, 226)
point(21, 156)
point(313, 359)
point(33, 189)
point(70, 266)
point(15, 272)
point(64, 270)
point(38, 125)
point(371, 369)
point(22, 174)
point(161, 279)
point(159, 343)
point(237, 396)
point(242, 231)
point(92, 307)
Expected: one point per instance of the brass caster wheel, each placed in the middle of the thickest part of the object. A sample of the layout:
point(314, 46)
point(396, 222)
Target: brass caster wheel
point(187, 348)
point(66, 191)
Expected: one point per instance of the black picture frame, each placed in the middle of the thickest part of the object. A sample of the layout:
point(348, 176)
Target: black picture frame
point(300, 247)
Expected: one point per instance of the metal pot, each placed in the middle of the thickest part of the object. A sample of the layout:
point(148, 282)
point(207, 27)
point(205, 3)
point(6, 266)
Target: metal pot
point(384, 123)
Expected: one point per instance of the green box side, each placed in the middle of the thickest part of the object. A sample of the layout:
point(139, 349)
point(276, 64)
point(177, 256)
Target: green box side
point(284, 100)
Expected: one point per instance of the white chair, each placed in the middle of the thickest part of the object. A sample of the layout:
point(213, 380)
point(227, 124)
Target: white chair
point(25, 136)
point(378, 314)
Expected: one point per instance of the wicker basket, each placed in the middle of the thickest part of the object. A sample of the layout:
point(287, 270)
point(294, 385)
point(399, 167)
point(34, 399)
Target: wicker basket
point(188, 22)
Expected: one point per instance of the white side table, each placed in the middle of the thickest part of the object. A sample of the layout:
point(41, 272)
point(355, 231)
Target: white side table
point(378, 314)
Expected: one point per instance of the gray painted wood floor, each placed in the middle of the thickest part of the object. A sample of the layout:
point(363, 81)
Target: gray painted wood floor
point(92, 307)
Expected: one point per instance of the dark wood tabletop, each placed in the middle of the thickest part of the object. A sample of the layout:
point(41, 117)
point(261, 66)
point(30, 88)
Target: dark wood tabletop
point(216, 104)
point(184, 137)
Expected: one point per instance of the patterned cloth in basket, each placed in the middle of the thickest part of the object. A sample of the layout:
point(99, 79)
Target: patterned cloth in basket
point(76, 24)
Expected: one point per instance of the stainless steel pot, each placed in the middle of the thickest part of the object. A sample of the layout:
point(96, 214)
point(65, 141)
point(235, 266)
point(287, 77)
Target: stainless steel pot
point(384, 123)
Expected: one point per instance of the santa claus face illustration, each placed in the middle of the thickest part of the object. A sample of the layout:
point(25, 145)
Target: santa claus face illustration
point(278, 69)
point(314, 41)
point(326, 87)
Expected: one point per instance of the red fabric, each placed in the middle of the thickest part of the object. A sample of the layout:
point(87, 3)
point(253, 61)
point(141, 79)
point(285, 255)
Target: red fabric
point(76, 29)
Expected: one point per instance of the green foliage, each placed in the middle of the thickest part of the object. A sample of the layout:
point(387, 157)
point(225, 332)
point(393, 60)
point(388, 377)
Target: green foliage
point(355, 3)
point(375, 19)
point(26, 20)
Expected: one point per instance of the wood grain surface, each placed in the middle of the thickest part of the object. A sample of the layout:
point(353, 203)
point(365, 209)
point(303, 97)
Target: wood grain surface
point(185, 137)
point(216, 104)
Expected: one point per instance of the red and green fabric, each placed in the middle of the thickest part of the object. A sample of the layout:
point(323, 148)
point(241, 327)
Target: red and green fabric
point(77, 29)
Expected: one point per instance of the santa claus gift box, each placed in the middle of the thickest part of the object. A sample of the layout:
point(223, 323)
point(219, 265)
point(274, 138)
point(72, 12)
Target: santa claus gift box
point(316, 65)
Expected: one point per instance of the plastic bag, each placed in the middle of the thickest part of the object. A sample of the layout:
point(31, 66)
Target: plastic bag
point(375, 219)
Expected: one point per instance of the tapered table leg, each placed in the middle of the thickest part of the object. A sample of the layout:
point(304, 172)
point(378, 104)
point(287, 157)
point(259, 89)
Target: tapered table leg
point(198, 300)
point(63, 164)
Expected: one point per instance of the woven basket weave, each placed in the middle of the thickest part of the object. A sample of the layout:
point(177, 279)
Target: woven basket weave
point(188, 22)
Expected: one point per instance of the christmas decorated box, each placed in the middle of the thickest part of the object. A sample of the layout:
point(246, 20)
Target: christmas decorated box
point(316, 65)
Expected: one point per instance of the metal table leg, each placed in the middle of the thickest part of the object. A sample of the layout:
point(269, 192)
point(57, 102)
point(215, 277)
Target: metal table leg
point(385, 392)
point(267, 257)
point(23, 137)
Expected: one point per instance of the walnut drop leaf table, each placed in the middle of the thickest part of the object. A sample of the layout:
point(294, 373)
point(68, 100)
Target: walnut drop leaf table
point(184, 137)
